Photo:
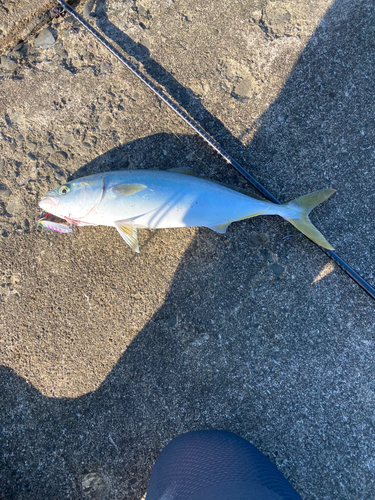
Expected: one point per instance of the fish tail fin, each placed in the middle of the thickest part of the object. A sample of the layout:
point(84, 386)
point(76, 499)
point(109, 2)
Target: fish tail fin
point(298, 214)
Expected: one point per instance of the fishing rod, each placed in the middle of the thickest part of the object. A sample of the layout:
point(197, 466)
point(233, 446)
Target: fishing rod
point(205, 136)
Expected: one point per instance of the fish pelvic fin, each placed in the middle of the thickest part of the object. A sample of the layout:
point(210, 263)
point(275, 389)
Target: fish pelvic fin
point(128, 233)
point(299, 210)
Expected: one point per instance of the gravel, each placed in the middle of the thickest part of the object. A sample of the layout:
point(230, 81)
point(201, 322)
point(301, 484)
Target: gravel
point(45, 39)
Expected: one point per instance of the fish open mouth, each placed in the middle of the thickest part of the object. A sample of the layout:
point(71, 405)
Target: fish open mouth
point(43, 215)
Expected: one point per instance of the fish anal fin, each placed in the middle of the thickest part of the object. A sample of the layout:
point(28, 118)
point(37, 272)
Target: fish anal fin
point(127, 189)
point(219, 228)
point(128, 233)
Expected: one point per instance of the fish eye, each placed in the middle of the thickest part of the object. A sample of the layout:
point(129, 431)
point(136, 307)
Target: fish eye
point(64, 190)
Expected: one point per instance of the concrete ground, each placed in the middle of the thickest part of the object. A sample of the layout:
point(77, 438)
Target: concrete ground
point(107, 355)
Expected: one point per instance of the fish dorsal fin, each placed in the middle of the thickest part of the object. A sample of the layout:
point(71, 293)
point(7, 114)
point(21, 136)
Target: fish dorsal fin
point(187, 171)
point(240, 190)
point(246, 192)
point(182, 170)
point(128, 233)
point(127, 189)
point(219, 228)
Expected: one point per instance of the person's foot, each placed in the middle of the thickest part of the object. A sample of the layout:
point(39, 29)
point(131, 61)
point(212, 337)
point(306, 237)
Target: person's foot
point(216, 465)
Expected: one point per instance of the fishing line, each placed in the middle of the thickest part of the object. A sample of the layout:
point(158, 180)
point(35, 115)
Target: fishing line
point(205, 136)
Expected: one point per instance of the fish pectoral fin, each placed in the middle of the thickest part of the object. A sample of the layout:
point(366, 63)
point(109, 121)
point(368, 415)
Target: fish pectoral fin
point(128, 233)
point(219, 228)
point(182, 170)
point(127, 189)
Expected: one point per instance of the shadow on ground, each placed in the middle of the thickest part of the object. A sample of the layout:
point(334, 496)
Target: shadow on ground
point(237, 345)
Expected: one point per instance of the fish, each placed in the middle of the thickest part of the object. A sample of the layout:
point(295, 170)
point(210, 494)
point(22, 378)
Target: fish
point(135, 199)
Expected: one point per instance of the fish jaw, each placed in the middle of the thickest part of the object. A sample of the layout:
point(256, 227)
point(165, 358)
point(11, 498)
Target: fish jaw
point(50, 204)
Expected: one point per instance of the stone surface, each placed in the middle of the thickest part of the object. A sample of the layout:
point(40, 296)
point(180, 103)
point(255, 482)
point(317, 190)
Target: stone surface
point(277, 269)
point(106, 355)
point(88, 8)
point(8, 64)
point(45, 39)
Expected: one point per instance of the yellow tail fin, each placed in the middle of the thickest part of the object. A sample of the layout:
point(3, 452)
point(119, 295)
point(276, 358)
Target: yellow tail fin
point(299, 216)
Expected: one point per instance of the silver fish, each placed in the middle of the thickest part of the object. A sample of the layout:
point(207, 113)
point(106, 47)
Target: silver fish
point(132, 199)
